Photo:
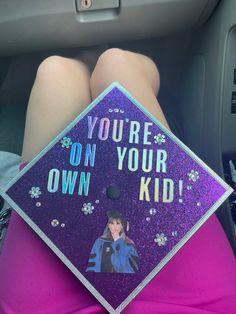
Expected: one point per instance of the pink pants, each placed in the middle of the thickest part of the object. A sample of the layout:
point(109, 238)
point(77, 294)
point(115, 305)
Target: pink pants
point(199, 279)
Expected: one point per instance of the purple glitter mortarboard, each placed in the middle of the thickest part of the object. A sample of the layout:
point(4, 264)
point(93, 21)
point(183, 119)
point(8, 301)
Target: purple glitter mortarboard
point(116, 162)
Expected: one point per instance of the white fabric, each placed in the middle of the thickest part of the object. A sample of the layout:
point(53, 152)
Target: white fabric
point(9, 167)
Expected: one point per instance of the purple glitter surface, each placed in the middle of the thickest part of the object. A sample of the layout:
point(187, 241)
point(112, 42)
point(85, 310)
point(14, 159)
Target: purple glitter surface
point(74, 232)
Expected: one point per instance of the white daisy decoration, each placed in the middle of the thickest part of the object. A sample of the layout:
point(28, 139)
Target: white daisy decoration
point(66, 142)
point(160, 239)
point(159, 139)
point(35, 192)
point(193, 175)
point(87, 208)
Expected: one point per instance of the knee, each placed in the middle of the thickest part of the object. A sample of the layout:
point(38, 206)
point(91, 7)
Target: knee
point(112, 57)
point(52, 65)
point(111, 66)
point(115, 62)
point(107, 65)
point(58, 68)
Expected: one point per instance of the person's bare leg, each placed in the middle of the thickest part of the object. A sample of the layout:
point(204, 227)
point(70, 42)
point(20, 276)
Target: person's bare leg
point(60, 92)
point(181, 285)
point(136, 72)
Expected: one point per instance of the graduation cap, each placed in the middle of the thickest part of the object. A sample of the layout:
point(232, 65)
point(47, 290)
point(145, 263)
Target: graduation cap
point(115, 154)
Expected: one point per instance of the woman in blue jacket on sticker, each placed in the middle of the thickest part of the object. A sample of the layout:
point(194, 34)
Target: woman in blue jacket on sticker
point(114, 252)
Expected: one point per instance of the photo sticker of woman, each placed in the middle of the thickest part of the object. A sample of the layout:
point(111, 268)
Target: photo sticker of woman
point(114, 252)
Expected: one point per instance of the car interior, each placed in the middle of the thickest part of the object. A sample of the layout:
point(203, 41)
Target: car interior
point(192, 42)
